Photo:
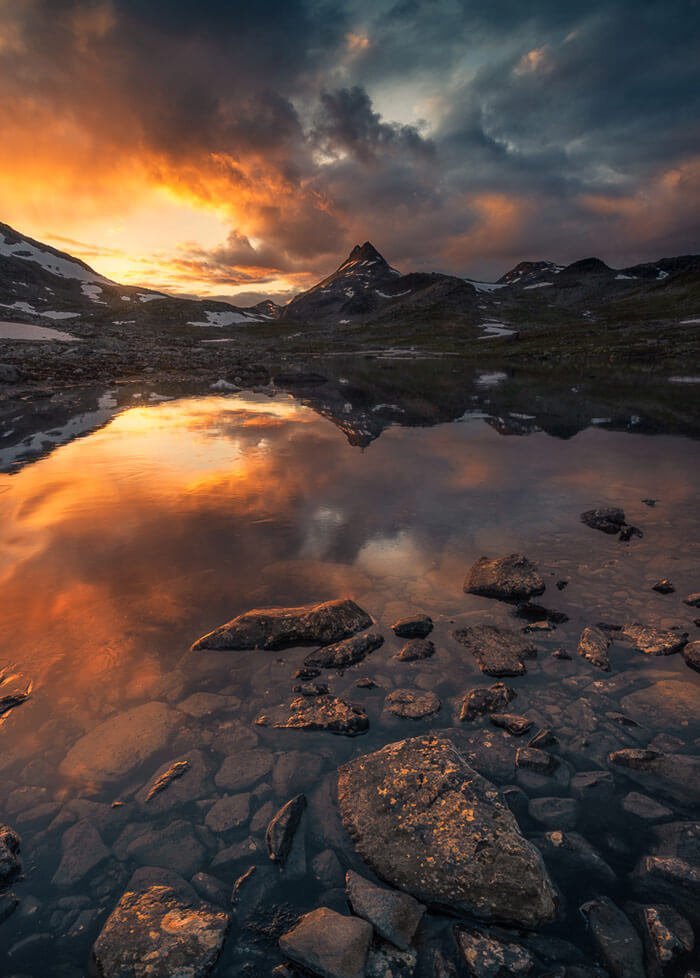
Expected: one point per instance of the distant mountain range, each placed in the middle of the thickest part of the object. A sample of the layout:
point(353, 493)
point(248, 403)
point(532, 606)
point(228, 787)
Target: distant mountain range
point(38, 283)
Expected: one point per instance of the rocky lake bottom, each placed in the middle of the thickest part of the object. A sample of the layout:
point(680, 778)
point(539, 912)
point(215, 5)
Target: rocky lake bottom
point(525, 766)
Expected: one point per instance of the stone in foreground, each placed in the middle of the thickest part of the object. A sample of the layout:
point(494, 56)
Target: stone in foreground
point(615, 938)
point(427, 823)
point(10, 865)
point(329, 944)
point(325, 713)
point(486, 957)
point(691, 654)
point(654, 641)
point(159, 934)
point(485, 699)
point(394, 915)
point(345, 653)
point(278, 628)
point(416, 626)
point(593, 647)
point(282, 829)
point(412, 704)
point(498, 651)
point(512, 578)
point(667, 937)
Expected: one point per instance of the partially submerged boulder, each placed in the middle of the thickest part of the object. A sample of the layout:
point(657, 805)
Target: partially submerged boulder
point(654, 641)
point(691, 654)
point(282, 828)
point(277, 628)
point(329, 944)
point(615, 938)
point(498, 651)
point(325, 713)
point(485, 699)
point(159, 933)
point(511, 578)
point(426, 822)
point(610, 519)
point(487, 957)
point(412, 704)
point(593, 646)
point(345, 653)
point(416, 649)
point(415, 626)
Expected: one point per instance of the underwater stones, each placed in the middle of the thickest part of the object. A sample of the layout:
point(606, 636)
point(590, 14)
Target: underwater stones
point(593, 786)
point(510, 578)
point(667, 937)
point(593, 646)
point(325, 713)
point(345, 653)
point(395, 916)
point(118, 745)
point(557, 813)
point(83, 850)
point(676, 776)
point(615, 938)
point(411, 704)
point(282, 828)
point(227, 813)
point(693, 600)
point(174, 771)
point(487, 957)
point(645, 807)
point(415, 650)
point(419, 815)
point(668, 704)
point(663, 586)
point(415, 626)
point(158, 933)
point(498, 651)
point(536, 612)
point(672, 880)
point(485, 699)
point(537, 760)
point(175, 847)
point(277, 628)
point(654, 641)
point(570, 854)
point(243, 769)
point(329, 944)
point(10, 864)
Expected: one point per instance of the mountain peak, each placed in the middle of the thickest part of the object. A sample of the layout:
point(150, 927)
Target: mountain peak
point(364, 252)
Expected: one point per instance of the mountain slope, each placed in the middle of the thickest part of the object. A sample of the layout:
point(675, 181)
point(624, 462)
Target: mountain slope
point(41, 283)
point(366, 287)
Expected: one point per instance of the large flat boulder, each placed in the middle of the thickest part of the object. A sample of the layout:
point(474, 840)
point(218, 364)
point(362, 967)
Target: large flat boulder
point(654, 641)
point(115, 747)
point(158, 933)
point(672, 705)
point(329, 944)
point(429, 824)
point(511, 578)
point(498, 651)
point(277, 628)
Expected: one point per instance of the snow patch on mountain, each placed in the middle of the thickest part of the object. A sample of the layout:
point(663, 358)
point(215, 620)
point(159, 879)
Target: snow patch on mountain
point(225, 318)
point(62, 267)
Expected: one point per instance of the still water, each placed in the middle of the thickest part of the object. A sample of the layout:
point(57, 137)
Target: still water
point(120, 548)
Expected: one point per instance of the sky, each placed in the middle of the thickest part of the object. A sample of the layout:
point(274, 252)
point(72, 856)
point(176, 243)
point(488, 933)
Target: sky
point(240, 149)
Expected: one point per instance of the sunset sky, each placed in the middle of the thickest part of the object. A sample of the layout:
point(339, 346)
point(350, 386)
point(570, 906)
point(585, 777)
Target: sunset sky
point(241, 148)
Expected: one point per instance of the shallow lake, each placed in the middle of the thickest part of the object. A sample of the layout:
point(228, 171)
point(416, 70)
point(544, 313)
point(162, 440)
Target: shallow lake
point(120, 548)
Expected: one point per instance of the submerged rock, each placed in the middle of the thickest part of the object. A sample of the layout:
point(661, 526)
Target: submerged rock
point(280, 833)
point(162, 781)
point(654, 641)
point(569, 854)
point(395, 916)
point(676, 776)
point(325, 713)
point(498, 651)
point(609, 520)
point(345, 653)
point(329, 944)
point(645, 807)
point(158, 933)
point(615, 938)
point(10, 864)
point(411, 704)
point(83, 850)
point(557, 813)
point(593, 647)
point(486, 957)
point(485, 699)
point(667, 704)
point(663, 586)
point(416, 649)
point(536, 612)
point(113, 748)
point(277, 628)
point(672, 880)
point(511, 578)
point(693, 600)
point(415, 626)
point(426, 822)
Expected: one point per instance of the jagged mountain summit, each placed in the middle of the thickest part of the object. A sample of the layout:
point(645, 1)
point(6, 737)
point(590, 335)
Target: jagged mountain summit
point(529, 273)
point(365, 286)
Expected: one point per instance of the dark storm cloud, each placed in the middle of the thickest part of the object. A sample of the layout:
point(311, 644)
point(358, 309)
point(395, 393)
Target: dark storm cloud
point(552, 129)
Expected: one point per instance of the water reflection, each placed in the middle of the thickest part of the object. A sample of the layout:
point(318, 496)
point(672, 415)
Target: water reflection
point(120, 548)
